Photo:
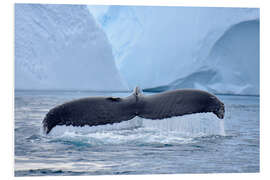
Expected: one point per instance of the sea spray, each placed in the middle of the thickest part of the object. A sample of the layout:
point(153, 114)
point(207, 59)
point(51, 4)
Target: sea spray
point(222, 129)
point(176, 130)
point(193, 125)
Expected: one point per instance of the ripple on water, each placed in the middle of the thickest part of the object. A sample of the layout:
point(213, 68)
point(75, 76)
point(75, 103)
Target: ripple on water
point(183, 144)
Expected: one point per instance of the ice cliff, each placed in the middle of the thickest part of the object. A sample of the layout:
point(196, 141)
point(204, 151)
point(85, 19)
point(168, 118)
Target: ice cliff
point(161, 48)
point(62, 47)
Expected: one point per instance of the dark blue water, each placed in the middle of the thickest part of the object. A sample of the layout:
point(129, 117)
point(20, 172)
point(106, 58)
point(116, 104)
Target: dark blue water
point(198, 143)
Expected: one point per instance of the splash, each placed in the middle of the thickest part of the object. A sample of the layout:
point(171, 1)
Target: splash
point(222, 129)
point(131, 124)
point(139, 131)
point(194, 125)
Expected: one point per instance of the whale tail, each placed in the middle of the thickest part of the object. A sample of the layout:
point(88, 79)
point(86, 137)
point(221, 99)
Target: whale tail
point(93, 111)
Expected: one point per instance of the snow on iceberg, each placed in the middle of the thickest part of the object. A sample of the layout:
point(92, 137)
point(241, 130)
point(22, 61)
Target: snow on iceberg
point(62, 47)
point(160, 48)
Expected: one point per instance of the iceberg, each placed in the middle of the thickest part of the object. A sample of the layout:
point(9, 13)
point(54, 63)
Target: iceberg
point(161, 48)
point(62, 47)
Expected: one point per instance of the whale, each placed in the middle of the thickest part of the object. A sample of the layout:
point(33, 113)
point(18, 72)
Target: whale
point(94, 111)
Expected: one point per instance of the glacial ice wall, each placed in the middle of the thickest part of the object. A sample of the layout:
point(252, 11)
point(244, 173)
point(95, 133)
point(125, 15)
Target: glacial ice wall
point(62, 47)
point(161, 48)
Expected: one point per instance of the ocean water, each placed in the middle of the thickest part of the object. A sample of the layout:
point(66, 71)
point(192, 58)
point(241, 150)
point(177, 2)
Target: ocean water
point(197, 143)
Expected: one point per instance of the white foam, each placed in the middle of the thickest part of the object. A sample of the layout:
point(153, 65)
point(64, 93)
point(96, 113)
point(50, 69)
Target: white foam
point(176, 130)
point(222, 129)
point(190, 125)
point(131, 124)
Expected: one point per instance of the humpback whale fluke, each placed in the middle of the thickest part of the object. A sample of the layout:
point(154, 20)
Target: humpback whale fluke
point(93, 111)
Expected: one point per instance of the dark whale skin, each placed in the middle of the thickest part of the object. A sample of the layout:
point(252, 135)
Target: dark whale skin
point(93, 111)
